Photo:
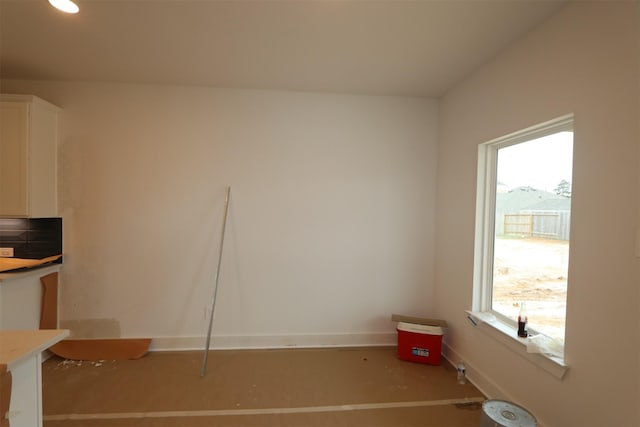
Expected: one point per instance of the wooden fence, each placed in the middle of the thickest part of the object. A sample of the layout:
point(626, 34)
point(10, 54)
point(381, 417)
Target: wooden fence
point(548, 224)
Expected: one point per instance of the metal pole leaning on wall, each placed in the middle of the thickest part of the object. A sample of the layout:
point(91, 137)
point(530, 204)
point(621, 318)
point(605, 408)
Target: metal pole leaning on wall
point(215, 288)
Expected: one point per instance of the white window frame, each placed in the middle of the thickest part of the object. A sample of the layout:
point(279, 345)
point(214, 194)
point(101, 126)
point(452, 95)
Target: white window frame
point(493, 322)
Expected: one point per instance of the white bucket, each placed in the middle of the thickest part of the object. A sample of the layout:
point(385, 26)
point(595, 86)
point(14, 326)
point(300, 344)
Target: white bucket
point(500, 413)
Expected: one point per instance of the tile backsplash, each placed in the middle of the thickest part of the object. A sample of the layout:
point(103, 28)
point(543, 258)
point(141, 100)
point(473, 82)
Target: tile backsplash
point(31, 238)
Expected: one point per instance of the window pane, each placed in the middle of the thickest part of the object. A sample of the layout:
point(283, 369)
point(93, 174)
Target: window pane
point(532, 223)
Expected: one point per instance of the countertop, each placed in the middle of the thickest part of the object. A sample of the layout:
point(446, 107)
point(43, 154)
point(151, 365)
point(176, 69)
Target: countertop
point(10, 264)
point(18, 345)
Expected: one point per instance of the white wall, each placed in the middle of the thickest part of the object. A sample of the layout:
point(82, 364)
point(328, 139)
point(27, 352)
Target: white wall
point(330, 226)
point(583, 60)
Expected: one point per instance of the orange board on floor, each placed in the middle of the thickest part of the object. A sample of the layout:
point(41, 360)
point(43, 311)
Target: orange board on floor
point(85, 349)
point(102, 349)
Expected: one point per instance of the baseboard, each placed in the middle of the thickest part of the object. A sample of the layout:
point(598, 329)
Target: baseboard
point(475, 376)
point(482, 382)
point(232, 342)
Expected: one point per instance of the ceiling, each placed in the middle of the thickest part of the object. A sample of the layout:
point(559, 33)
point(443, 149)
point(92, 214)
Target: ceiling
point(392, 47)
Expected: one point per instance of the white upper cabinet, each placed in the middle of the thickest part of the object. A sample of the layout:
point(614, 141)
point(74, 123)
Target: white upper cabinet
point(28, 157)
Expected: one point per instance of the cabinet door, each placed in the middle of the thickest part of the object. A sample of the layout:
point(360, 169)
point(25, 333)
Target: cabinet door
point(14, 151)
point(42, 173)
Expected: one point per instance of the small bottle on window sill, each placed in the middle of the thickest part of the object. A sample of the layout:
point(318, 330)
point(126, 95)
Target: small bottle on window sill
point(522, 321)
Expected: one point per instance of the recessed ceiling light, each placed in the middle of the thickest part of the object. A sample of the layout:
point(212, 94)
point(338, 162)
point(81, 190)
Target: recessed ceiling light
point(65, 5)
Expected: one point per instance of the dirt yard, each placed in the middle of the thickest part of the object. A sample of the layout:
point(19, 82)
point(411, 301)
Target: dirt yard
point(532, 271)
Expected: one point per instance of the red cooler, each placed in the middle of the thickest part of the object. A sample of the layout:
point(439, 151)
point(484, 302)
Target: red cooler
point(419, 343)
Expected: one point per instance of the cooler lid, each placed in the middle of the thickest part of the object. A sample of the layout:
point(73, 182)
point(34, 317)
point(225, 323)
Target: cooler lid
point(420, 329)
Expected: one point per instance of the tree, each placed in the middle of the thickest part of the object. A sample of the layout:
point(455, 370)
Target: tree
point(564, 189)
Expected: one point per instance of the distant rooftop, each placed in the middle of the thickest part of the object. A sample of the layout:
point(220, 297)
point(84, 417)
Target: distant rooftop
point(528, 198)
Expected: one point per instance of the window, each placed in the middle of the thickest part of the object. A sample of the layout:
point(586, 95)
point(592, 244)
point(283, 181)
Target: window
point(522, 226)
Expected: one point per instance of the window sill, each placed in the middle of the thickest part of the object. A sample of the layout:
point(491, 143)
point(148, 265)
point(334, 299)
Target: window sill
point(507, 335)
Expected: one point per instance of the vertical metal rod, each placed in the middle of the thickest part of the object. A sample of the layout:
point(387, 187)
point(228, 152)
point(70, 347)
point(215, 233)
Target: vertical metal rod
point(215, 289)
